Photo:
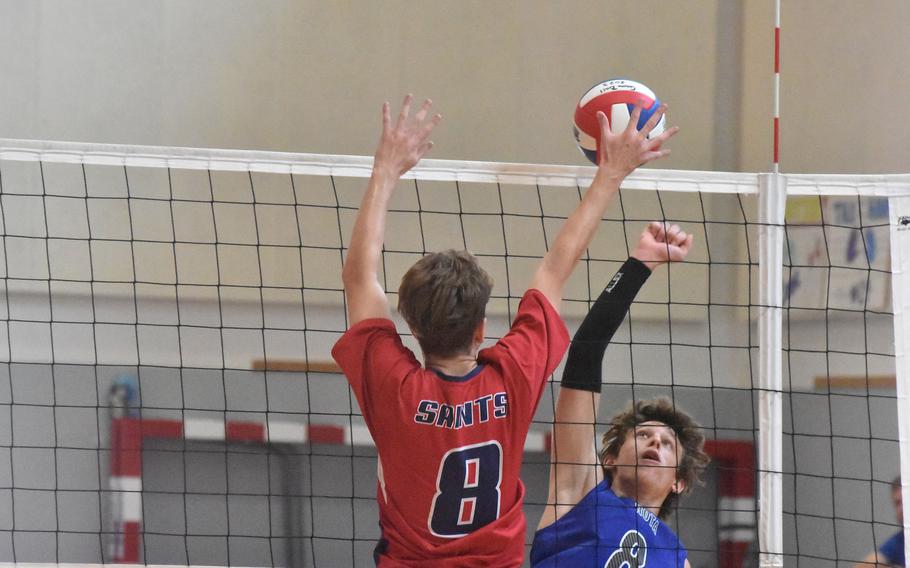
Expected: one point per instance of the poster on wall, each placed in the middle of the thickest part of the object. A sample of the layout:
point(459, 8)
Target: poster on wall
point(837, 255)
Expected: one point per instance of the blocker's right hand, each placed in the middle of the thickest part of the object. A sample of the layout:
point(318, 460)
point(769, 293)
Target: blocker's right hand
point(621, 153)
point(403, 144)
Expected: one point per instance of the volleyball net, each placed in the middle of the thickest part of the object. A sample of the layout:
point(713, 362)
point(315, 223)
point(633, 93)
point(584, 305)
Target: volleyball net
point(168, 315)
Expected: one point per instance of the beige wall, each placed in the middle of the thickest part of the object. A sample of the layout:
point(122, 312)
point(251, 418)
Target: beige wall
point(309, 76)
point(844, 80)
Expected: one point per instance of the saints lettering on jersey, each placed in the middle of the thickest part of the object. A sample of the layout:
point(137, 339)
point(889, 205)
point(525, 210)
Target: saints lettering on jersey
point(456, 416)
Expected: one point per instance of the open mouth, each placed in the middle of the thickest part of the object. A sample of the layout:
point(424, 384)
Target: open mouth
point(650, 456)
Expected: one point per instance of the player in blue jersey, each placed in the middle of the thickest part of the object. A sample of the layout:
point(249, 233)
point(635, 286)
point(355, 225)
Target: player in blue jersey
point(606, 510)
point(891, 552)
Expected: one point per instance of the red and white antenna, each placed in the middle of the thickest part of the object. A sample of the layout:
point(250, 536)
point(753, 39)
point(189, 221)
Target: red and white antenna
point(776, 164)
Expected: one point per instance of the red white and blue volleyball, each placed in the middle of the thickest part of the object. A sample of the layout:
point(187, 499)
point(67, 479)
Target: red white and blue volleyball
point(616, 98)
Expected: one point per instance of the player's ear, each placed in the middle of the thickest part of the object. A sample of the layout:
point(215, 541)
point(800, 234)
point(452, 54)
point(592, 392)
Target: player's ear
point(679, 486)
point(480, 331)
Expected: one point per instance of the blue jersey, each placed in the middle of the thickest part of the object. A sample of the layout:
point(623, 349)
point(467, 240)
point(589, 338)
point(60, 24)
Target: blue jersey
point(893, 549)
point(607, 531)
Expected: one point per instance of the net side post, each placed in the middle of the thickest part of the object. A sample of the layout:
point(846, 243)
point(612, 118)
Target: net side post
point(772, 203)
point(899, 212)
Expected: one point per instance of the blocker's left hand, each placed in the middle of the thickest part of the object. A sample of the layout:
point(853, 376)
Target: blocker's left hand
point(660, 244)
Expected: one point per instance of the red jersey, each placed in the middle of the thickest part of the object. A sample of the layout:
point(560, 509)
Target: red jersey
point(450, 448)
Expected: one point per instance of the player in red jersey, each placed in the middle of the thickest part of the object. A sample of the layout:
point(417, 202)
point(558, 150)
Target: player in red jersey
point(450, 433)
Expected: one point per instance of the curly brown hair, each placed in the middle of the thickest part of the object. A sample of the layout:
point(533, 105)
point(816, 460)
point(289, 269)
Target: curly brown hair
point(443, 298)
point(687, 431)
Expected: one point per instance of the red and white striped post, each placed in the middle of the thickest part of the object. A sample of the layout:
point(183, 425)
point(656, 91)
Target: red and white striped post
point(771, 239)
point(776, 163)
point(736, 507)
point(125, 484)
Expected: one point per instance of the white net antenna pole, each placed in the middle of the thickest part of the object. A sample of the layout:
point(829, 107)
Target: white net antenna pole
point(772, 201)
point(772, 207)
point(775, 165)
point(899, 208)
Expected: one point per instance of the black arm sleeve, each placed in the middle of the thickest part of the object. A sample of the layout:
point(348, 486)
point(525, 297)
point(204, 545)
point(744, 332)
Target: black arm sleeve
point(584, 365)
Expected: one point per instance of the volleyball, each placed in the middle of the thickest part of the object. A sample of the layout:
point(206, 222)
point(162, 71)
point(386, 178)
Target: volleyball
point(615, 98)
